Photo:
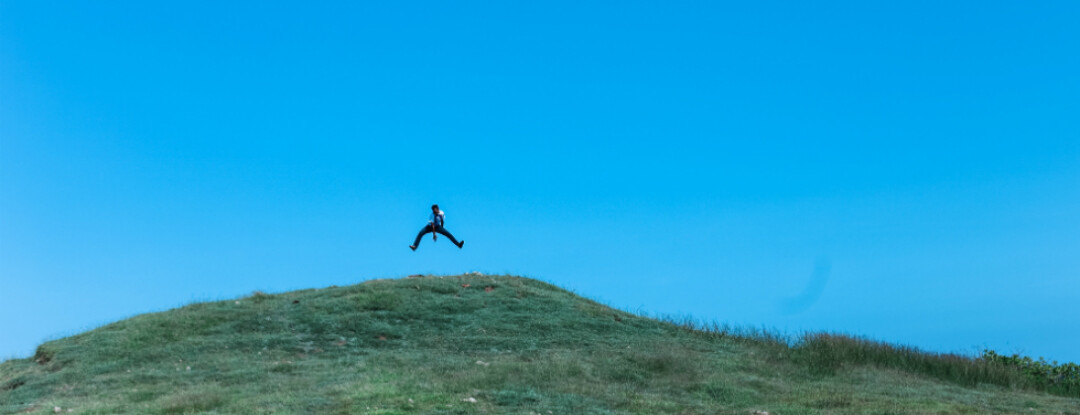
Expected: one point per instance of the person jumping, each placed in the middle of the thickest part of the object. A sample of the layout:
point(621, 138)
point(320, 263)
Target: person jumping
point(435, 224)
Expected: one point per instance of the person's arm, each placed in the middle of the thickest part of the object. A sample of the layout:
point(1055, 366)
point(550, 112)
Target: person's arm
point(434, 225)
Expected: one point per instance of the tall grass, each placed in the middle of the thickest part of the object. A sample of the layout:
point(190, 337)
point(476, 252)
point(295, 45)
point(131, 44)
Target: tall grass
point(825, 353)
point(828, 353)
point(760, 336)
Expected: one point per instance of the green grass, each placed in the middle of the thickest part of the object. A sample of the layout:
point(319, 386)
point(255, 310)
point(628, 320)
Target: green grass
point(476, 344)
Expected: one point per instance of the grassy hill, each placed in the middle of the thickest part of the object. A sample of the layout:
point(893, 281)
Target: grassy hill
point(475, 344)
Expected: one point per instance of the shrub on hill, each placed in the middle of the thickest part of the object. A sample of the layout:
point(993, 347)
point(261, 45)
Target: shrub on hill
point(1062, 378)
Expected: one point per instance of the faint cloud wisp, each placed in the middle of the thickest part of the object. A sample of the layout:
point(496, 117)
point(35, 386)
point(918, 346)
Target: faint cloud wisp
point(813, 290)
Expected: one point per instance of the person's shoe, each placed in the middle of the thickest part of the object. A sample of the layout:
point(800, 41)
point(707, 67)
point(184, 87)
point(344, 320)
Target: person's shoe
point(460, 244)
point(413, 247)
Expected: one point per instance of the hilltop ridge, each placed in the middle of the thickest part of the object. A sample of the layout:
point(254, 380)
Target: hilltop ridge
point(460, 345)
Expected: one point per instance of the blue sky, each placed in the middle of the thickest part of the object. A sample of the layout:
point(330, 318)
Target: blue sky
point(906, 171)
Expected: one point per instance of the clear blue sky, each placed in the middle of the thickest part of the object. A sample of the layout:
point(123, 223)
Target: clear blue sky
point(907, 171)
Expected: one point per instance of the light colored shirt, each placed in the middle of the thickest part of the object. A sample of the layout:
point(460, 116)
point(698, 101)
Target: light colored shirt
point(438, 220)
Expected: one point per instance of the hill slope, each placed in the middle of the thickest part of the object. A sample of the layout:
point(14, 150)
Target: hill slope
point(458, 345)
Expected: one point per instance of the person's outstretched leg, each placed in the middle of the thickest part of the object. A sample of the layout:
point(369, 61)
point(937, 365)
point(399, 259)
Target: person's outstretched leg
point(425, 231)
point(447, 234)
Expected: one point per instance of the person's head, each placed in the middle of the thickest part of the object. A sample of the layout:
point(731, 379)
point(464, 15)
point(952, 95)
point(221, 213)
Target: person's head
point(435, 208)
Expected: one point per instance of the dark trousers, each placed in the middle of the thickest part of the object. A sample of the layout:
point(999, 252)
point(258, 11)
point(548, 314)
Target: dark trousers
point(427, 229)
